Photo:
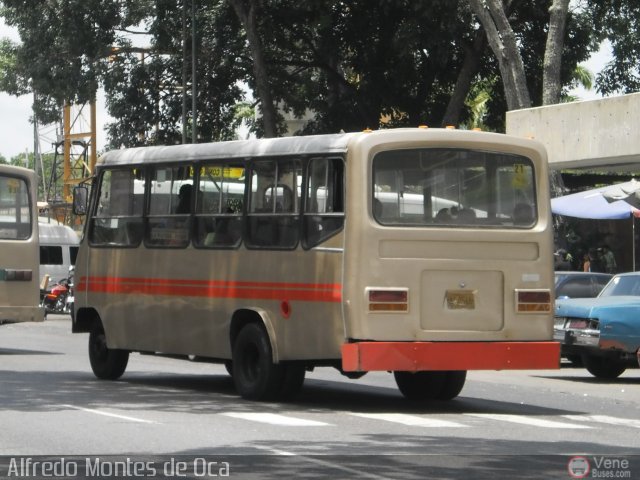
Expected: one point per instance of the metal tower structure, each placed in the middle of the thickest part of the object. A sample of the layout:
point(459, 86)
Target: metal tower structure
point(75, 157)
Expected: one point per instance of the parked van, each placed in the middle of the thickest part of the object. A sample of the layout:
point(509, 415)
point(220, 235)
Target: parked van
point(58, 249)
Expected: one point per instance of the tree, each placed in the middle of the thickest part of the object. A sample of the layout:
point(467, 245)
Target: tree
point(248, 11)
point(551, 82)
point(619, 22)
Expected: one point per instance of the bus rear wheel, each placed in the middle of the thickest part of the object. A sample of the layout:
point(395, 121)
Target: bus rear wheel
point(255, 375)
point(430, 385)
point(106, 363)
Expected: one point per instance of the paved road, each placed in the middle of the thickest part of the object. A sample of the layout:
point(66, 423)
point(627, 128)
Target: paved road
point(528, 424)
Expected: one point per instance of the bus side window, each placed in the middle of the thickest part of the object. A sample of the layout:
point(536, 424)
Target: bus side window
point(324, 206)
point(219, 200)
point(117, 220)
point(274, 207)
point(171, 199)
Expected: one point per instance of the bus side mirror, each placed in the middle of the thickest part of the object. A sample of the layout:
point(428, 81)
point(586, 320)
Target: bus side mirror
point(80, 200)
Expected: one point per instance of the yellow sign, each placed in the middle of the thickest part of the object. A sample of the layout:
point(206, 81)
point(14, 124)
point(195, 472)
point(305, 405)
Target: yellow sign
point(220, 172)
point(13, 185)
point(519, 176)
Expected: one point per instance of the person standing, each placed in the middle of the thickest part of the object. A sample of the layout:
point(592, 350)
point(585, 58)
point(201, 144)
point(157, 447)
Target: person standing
point(609, 259)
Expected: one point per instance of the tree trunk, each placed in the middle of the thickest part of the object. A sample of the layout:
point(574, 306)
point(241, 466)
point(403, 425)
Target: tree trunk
point(504, 46)
point(470, 66)
point(551, 85)
point(246, 11)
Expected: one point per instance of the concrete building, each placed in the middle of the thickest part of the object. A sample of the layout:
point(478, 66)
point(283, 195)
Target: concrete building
point(599, 136)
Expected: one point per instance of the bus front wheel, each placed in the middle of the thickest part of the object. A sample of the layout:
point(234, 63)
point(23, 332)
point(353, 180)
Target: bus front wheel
point(106, 363)
point(255, 375)
point(435, 385)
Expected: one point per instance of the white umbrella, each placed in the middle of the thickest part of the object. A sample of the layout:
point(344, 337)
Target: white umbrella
point(628, 192)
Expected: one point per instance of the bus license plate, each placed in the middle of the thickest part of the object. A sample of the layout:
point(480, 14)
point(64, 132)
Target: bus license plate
point(460, 299)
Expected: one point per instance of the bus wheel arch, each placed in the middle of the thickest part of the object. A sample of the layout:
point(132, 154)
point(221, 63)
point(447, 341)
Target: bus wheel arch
point(241, 318)
point(85, 319)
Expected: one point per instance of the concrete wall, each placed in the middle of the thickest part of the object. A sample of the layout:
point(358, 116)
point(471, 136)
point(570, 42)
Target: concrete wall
point(600, 133)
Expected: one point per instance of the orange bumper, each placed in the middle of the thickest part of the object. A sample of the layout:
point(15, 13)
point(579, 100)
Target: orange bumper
point(416, 356)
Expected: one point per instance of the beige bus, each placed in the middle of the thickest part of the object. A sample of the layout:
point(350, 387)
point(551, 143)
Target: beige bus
point(19, 251)
point(422, 252)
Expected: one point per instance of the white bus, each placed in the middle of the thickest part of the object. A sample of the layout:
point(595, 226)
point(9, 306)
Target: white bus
point(423, 252)
point(58, 250)
point(19, 280)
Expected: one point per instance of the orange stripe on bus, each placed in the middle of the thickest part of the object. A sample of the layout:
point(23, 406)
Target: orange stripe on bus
point(309, 292)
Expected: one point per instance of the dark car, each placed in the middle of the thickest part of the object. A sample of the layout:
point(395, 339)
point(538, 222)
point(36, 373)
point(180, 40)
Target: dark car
point(604, 332)
point(580, 284)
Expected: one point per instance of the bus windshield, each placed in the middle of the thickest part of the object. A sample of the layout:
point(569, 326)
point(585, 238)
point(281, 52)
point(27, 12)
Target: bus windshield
point(449, 187)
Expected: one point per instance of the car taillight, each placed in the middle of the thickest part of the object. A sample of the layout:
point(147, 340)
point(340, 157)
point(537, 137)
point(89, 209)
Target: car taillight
point(533, 301)
point(388, 299)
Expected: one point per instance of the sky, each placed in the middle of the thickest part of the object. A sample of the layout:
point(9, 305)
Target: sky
point(16, 131)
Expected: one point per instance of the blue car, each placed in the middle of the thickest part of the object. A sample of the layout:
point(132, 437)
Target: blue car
point(603, 332)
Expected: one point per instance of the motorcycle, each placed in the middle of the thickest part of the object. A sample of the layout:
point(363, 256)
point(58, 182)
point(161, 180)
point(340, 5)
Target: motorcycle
point(70, 292)
point(60, 298)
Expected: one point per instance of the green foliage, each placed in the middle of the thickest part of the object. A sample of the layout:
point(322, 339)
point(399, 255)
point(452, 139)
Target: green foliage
point(619, 22)
point(356, 64)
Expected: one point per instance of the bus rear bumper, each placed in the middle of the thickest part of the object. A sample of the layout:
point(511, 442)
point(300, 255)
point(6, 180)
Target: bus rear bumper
point(21, 314)
point(417, 356)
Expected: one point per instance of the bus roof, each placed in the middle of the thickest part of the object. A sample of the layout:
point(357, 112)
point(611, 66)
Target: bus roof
point(308, 145)
point(298, 145)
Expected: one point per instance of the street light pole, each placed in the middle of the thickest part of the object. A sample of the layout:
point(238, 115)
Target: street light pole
point(194, 103)
point(184, 71)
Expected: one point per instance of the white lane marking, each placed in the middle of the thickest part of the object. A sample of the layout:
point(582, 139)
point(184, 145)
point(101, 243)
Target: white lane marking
point(524, 420)
point(625, 422)
point(410, 420)
point(275, 419)
point(107, 414)
point(352, 471)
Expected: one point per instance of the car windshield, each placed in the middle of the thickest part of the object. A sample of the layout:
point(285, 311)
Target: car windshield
point(623, 285)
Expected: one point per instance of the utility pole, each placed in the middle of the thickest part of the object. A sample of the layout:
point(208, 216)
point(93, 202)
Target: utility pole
point(184, 71)
point(194, 65)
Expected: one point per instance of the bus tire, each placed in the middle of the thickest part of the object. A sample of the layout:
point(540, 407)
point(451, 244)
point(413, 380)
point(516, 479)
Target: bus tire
point(453, 384)
point(603, 367)
point(293, 380)
point(420, 386)
point(106, 363)
point(255, 375)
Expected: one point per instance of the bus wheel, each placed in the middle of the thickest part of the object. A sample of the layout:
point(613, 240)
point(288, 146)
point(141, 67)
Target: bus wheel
point(452, 386)
point(420, 386)
point(106, 363)
point(255, 375)
point(293, 380)
point(602, 367)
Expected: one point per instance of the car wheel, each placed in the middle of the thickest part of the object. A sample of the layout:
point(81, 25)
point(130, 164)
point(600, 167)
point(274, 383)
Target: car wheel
point(603, 367)
point(106, 363)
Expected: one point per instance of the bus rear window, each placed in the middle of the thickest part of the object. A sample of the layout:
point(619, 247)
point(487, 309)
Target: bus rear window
point(444, 187)
point(15, 209)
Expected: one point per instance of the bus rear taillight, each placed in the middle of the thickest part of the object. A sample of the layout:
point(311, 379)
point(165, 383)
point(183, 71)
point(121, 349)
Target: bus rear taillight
point(388, 299)
point(533, 301)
